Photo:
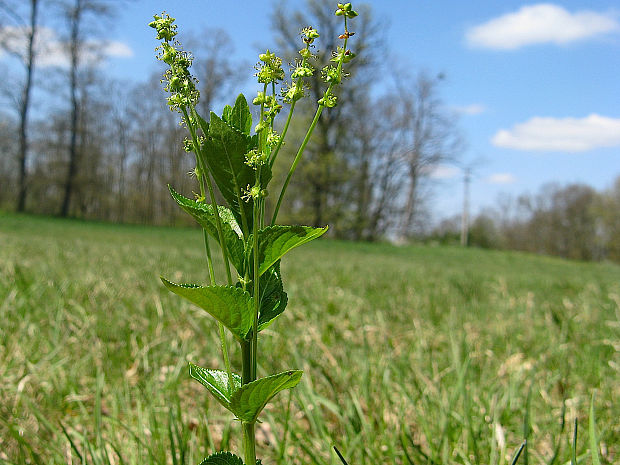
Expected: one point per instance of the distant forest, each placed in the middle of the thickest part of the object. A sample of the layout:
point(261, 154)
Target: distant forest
point(573, 221)
point(76, 143)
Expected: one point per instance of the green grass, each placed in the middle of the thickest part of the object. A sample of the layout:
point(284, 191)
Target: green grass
point(412, 355)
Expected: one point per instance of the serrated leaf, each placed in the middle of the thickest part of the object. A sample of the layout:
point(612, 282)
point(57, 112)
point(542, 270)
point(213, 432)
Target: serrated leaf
point(225, 149)
point(275, 241)
point(204, 214)
point(222, 458)
point(230, 305)
point(273, 299)
point(248, 401)
point(227, 113)
point(216, 381)
point(240, 117)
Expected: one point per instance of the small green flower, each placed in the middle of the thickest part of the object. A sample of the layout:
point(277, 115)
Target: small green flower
point(329, 101)
point(302, 71)
point(273, 138)
point(254, 192)
point(342, 54)
point(309, 34)
point(330, 74)
point(270, 70)
point(306, 53)
point(345, 9)
point(254, 158)
point(267, 57)
point(260, 126)
point(165, 27)
point(293, 92)
point(259, 99)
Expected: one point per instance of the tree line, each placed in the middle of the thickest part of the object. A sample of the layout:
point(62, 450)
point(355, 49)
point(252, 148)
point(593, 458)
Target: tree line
point(573, 221)
point(106, 149)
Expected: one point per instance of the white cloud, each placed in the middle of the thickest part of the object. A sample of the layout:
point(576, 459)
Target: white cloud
point(501, 178)
point(541, 23)
point(473, 109)
point(561, 134)
point(117, 49)
point(442, 171)
point(51, 51)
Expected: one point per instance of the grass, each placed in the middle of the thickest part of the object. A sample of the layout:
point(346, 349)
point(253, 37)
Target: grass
point(412, 355)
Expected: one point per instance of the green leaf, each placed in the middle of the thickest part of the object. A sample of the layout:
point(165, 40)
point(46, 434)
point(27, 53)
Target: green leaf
point(222, 458)
point(203, 124)
point(240, 117)
point(273, 299)
point(275, 241)
point(227, 113)
point(225, 148)
point(248, 401)
point(204, 214)
point(216, 381)
point(229, 305)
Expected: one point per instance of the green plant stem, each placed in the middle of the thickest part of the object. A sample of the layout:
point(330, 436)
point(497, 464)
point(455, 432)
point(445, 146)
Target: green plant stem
point(300, 152)
point(256, 278)
point(246, 358)
point(249, 443)
point(248, 438)
point(286, 125)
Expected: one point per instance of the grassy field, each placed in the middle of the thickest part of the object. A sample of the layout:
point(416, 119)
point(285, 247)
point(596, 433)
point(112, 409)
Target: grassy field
point(412, 355)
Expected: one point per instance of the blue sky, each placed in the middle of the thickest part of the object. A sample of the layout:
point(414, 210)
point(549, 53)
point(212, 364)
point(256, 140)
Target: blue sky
point(535, 85)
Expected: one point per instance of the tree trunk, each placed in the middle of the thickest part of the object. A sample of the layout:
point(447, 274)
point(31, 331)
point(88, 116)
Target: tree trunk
point(23, 111)
point(73, 78)
point(410, 207)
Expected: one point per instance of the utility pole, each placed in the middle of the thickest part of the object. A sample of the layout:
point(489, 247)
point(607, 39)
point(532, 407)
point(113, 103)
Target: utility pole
point(465, 214)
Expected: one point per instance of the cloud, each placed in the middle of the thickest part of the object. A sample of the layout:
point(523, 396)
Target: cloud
point(561, 134)
point(51, 51)
point(473, 109)
point(117, 49)
point(501, 178)
point(442, 171)
point(537, 24)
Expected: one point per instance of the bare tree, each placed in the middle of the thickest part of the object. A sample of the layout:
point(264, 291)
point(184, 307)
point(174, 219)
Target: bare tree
point(27, 55)
point(76, 13)
point(217, 73)
point(430, 134)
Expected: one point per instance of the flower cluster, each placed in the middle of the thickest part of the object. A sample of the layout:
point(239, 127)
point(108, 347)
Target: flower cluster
point(269, 68)
point(346, 10)
point(179, 81)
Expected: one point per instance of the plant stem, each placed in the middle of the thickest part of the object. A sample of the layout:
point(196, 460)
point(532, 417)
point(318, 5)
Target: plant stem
point(300, 152)
point(286, 125)
point(256, 278)
point(249, 444)
point(246, 357)
point(248, 438)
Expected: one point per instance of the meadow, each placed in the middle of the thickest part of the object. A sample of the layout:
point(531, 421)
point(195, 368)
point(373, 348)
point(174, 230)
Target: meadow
point(412, 355)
